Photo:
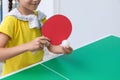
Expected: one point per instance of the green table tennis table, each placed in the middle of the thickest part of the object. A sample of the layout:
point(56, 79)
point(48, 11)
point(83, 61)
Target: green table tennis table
point(99, 60)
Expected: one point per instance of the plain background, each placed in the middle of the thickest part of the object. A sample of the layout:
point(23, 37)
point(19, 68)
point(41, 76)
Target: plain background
point(91, 19)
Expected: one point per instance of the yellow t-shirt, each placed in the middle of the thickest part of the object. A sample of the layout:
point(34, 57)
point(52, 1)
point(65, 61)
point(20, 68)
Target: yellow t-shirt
point(19, 33)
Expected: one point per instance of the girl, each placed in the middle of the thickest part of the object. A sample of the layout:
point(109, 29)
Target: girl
point(20, 37)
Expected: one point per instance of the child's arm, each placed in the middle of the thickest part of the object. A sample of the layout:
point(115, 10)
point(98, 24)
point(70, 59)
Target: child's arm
point(59, 49)
point(6, 53)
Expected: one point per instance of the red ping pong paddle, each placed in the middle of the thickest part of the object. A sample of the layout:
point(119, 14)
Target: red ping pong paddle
point(57, 28)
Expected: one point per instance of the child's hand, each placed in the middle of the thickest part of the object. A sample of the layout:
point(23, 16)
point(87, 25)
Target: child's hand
point(67, 50)
point(66, 46)
point(38, 43)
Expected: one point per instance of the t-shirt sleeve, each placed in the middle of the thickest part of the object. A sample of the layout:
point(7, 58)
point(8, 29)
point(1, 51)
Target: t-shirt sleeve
point(43, 20)
point(7, 26)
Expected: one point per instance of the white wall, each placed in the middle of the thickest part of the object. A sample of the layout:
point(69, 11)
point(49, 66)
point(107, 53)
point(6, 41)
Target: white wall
point(5, 7)
point(91, 19)
point(0, 68)
point(46, 6)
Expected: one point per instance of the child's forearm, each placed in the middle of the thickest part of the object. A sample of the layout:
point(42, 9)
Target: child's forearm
point(60, 49)
point(56, 49)
point(6, 53)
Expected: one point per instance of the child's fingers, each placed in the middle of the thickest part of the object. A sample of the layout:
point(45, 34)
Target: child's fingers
point(44, 38)
point(67, 49)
